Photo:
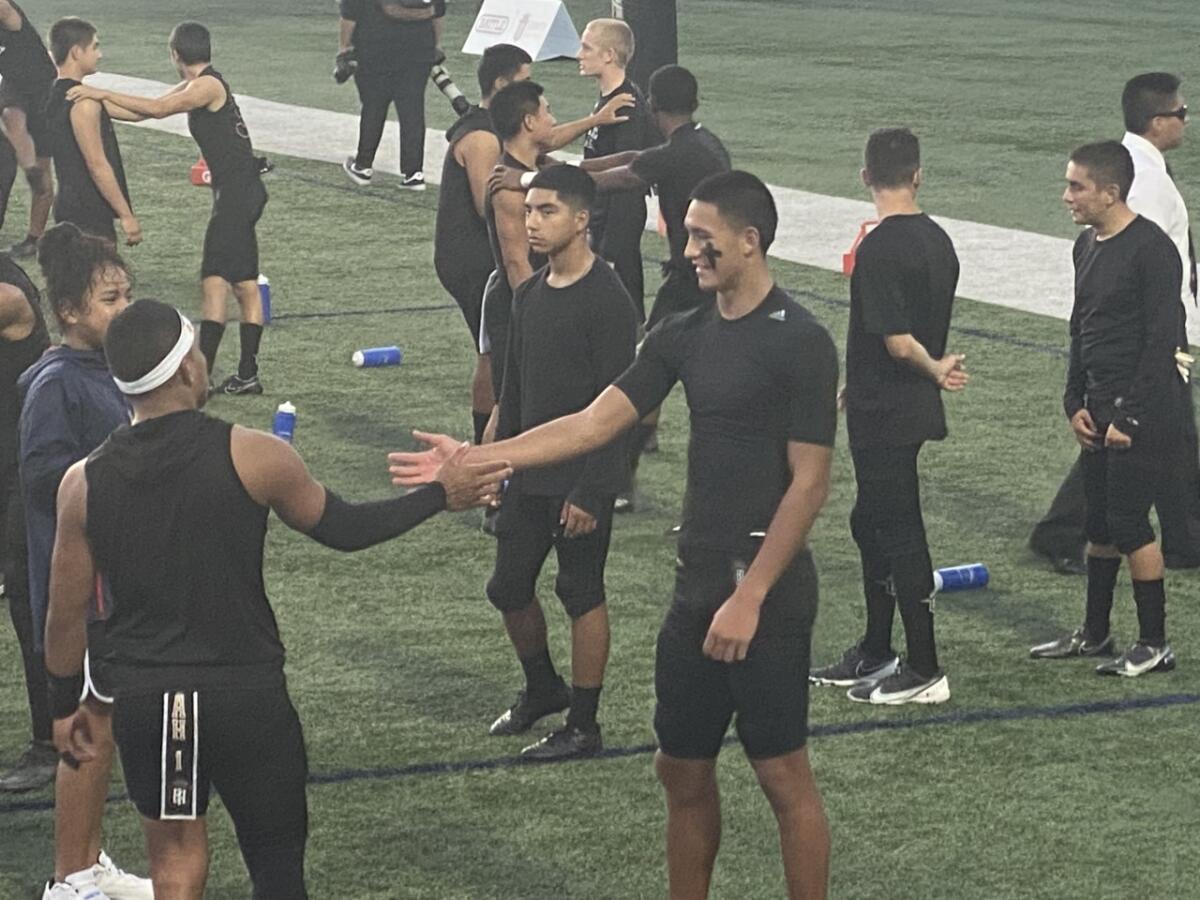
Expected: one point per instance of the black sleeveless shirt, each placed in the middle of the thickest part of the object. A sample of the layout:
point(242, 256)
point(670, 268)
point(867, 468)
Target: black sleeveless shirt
point(15, 358)
point(24, 60)
point(223, 138)
point(78, 199)
point(180, 542)
point(461, 235)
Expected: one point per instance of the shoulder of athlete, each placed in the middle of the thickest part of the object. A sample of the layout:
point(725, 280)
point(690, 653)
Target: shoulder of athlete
point(208, 91)
point(476, 145)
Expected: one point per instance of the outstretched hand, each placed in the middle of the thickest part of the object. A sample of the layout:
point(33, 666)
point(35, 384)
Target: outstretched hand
point(421, 466)
point(952, 374)
point(608, 112)
point(468, 484)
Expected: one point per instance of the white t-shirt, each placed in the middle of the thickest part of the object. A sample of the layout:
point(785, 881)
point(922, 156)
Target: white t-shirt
point(1155, 196)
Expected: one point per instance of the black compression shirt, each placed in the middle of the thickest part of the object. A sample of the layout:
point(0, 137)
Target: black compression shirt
point(690, 155)
point(223, 138)
point(181, 542)
point(24, 61)
point(78, 199)
point(753, 384)
point(905, 275)
point(460, 233)
point(1126, 323)
point(566, 346)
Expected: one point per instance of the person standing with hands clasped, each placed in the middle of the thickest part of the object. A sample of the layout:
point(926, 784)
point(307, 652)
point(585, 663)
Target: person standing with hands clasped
point(1126, 388)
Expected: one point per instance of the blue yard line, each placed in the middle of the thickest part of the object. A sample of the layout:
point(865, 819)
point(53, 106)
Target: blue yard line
point(963, 717)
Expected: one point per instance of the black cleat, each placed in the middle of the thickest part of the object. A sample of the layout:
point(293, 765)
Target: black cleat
point(235, 386)
point(568, 742)
point(1068, 565)
point(528, 709)
point(855, 668)
point(1138, 660)
point(34, 769)
point(1077, 643)
point(901, 687)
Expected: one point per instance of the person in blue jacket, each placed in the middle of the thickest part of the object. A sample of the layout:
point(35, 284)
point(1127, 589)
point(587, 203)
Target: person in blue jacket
point(69, 405)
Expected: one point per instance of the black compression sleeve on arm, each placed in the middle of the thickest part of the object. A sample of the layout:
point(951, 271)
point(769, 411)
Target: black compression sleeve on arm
point(356, 526)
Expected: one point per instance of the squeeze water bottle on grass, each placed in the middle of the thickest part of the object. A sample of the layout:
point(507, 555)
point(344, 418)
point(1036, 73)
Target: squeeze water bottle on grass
point(284, 423)
point(376, 356)
point(960, 578)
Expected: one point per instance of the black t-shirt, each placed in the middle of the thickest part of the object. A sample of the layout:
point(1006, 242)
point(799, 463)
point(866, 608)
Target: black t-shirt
point(690, 155)
point(460, 234)
point(1126, 324)
point(566, 345)
point(753, 384)
point(24, 62)
point(384, 43)
point(223, 138)
point(623, 209)
point(905, 275)
point(78, 199)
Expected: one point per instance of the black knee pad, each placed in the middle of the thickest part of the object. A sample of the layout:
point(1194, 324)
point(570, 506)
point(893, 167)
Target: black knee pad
point(578, 604)
point(507, 597)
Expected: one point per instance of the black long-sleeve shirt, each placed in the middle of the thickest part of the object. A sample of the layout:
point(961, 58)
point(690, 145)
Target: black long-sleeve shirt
point(1126, 324)
point(566, 345)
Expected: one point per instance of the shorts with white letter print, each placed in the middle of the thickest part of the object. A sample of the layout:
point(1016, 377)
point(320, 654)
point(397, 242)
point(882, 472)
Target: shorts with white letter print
point(175, 745)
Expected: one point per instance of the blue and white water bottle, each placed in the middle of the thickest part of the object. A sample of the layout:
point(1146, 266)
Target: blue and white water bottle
point(264, 292)
point(376, 356)
point(284, 424)
point(961, 578)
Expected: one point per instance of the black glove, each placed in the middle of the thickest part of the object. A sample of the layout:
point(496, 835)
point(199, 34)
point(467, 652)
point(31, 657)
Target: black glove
point(345, 64)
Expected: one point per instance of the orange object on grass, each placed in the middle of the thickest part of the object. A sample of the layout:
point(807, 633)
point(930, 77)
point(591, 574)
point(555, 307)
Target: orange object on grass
point(848, 256)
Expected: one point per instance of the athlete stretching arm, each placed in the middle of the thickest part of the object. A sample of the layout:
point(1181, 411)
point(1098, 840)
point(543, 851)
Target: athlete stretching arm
point(205, 91)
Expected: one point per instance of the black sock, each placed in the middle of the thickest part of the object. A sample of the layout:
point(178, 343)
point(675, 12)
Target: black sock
point(1101, 579)
point(480, 420)
point(250, 336)
point(881, 610)
point(540, 674)
point(210, 340)
point(1151, 600)
point(912, 575)
point(584, 703)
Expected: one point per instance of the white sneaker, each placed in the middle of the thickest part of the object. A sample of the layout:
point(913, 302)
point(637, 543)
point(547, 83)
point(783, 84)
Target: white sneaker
point(355, 174)
point(413, 182)
point(118, 884)
point(81, 887)
point(905, 686)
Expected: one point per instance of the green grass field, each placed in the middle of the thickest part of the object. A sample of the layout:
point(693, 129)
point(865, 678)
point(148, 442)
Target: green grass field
point(396, 661)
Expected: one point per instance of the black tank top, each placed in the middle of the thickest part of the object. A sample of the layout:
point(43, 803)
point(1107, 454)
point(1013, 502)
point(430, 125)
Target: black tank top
point(15, 358)
point(24, 61)
point(461, 235)
point(536, 260)
point(223, 138)
point(181, 545)
point(78, 199)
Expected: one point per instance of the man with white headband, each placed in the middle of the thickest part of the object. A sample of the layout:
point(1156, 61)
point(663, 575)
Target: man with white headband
point(172, 511)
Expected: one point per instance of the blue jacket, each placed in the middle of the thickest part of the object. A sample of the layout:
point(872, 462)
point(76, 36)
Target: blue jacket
point(69, 405)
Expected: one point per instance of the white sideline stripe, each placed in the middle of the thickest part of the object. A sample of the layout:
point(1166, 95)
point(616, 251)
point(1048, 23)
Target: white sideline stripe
point(1002, 266)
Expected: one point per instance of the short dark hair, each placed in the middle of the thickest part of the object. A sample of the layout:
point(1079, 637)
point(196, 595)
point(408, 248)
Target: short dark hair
point(892, 157)
point(71, 261)
point(500, 61)
point(192, 43)
point(673, 89)
point(743, 201)
point(512, 104)
point(574, 186)
point(140, 337)
point(1146, 96)
point(1107, 163)
point(68, 33)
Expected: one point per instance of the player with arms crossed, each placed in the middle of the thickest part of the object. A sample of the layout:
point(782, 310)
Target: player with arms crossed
point(172, 512)
point(761, 381)
point(230, 257)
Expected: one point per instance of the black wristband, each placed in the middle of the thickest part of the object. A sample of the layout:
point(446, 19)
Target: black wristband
point(64, 692)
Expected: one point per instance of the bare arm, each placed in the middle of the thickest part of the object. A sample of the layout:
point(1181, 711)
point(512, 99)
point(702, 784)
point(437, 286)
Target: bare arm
point(622, 178)
point(478, 153)
point(72, 578)
point(116, 111)
point(345, 32)
point(9, 17)
point(16, 316)
point(85, 124)
point(947, 372)
point(195, 94)
point(612, 161)
point(606, 115)
point(514, 240)
point(736, 622)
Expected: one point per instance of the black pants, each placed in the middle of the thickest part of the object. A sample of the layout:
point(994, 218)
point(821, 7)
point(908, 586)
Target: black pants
point(406, 89)
point(617, 227)
point(886, 522)
point(13, 553)
point(8, 174)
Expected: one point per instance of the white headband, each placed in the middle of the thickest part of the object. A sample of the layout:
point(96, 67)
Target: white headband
point(161, 374)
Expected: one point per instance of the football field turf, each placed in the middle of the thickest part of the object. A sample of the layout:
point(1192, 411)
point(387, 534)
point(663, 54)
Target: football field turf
point(1038, 780)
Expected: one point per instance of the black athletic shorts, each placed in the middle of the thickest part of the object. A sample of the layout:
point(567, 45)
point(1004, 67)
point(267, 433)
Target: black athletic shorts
point(247, 743)
point(33, 101)
point(1120, 486)
point(768, 691)
point(466, 284)
point(679, 292)
point(230, 242)
point(526, 529)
